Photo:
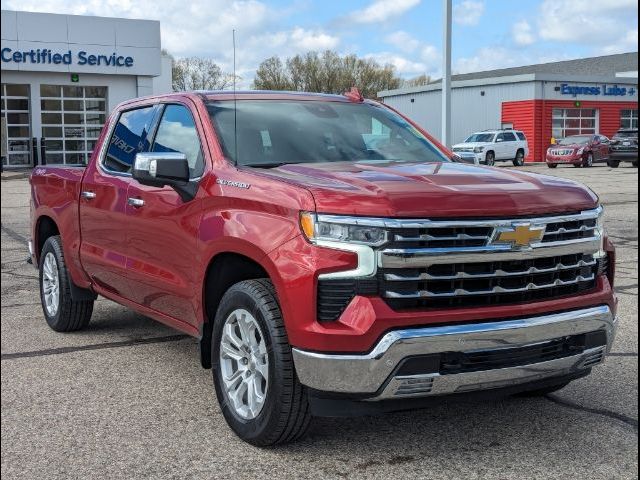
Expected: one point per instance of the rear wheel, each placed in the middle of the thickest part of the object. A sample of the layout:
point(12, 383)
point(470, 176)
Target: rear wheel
point(635, 164)
point(614, 163)
point(588, 162)
point(253, 372)
point(519, 160)
point(552, 165)
point(61, 311)
point(490, 159)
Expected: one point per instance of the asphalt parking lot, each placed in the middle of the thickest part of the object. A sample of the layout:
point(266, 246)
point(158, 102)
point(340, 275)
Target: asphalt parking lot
point(126, 398)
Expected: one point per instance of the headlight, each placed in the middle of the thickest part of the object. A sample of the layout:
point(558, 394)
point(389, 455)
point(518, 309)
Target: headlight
point(478, 149)
point(334, 228)
point(580, 151)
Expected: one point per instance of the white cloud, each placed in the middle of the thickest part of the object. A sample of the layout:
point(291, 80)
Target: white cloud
point(382, 10)
point(496, 57)
point(627, 43)
point(204, 27)
point(403, 41)
point(522, 33)
point(402, 65)
point(468, 12)
point(597, 23)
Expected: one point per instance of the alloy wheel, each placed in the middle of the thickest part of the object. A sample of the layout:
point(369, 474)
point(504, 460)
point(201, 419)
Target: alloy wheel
point(51, 284)
point(244, 364)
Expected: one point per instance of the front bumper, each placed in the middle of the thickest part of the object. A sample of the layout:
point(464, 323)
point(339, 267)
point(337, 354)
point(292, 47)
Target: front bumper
point(373, 376)
point(628, 155)
point(564, 159)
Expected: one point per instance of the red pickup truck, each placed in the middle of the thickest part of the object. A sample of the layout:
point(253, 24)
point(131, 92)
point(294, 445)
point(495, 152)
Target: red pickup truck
point(328, 254)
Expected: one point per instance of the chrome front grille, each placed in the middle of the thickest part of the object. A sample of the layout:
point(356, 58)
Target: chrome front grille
point(561, 152)
point(444, 264)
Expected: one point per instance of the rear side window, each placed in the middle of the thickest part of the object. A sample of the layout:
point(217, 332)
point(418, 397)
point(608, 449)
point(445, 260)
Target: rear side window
point(509, 137)
point(130, 136)
point(521, 136)
point(177, 133)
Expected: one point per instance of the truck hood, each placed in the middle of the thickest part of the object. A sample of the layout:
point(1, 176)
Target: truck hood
point(404, 189)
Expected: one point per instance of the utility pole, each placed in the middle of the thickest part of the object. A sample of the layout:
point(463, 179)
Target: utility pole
point(445, 137)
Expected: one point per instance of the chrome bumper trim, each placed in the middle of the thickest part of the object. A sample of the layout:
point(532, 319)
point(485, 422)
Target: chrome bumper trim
point(367, 373)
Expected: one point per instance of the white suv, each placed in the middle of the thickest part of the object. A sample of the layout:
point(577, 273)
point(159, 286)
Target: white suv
point(496, 145)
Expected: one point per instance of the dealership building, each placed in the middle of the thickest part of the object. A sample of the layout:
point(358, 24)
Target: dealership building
point(63, 74)
point(590, 95)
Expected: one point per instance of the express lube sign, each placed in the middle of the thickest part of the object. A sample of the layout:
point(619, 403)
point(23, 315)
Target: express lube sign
point(82, 58)
point(605, 90)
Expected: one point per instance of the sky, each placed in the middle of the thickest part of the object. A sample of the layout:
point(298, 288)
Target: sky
point(487, 34)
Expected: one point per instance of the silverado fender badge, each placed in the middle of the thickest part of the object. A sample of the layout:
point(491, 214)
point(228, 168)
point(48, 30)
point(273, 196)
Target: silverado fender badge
point(230, 183)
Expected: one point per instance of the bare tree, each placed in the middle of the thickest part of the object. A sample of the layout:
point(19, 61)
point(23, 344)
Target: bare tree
point(325, 72)
point(195, 73)
point(419, 81)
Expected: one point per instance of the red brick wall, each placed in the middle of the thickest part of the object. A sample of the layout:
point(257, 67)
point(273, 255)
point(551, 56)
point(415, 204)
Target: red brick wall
point(533, 117)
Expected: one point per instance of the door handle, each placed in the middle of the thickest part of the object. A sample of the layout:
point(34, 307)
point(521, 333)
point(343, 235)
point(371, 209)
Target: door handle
point(135, 202)
point(88, 195)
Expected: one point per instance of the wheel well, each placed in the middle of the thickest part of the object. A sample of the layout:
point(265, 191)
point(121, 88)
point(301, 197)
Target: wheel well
point(520, 150)
point(46, 228)
point(225, 270)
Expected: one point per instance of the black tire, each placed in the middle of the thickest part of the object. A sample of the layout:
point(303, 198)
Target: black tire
point(285, 414)
point(613, 163)
point(490, 159)
point(70, 315)
point(541, 392)
point(577, 165)
point(588, 162)
point(519, 160)
point(552, 165)
point(635, 164)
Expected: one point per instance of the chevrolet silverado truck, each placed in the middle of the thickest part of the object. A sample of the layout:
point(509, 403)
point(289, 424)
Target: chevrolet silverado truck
point(327, 253)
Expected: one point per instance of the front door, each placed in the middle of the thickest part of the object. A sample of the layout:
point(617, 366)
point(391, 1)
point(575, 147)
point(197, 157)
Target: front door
point(103, 201)
point(163, 229)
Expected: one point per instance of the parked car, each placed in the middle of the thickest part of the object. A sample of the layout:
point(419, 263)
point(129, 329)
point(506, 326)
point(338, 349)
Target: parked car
point(327, 254)
point(491, 146)
point(624, 147)
point(579, 151)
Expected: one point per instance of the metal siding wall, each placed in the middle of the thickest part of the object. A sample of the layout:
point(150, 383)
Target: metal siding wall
point(471, 112)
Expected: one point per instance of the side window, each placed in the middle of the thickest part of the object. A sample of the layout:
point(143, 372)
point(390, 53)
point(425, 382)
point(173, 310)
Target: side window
point(604, 139)
point(500, 137)
point(509, 137)
point(177, 133)
point(130, 136)
point(521, 136)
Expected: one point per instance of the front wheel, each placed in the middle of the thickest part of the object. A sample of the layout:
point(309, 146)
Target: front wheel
point(613, 163)
point(61, 311)
point(256, 384)
point(490, 159)
point(552, 165)
point(519, 160)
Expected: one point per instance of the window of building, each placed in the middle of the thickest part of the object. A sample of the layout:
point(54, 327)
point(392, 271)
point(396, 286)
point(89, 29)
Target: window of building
point(177, 133)
point(72, 118)
point(629, 118)
point(16, 116)
point(129, 137)
point(574, 121)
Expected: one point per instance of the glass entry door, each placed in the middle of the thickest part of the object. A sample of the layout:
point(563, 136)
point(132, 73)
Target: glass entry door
point(72, 117)
point(15, 112)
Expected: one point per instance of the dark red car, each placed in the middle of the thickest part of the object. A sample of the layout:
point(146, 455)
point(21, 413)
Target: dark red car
point(579, 151)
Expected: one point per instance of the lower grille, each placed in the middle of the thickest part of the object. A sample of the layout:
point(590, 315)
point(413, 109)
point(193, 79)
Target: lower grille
point(488, 283)
point(450, 363)
point(335, 295)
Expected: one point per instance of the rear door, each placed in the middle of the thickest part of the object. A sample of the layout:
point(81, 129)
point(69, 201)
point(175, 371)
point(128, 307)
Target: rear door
point(103, 202)
point(605, 145)
point(510, 145)
point(163, 229)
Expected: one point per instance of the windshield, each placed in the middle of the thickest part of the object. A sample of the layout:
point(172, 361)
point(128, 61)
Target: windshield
point(480, 138)
point(576, 139)
point(277, 132)
point(627, 134)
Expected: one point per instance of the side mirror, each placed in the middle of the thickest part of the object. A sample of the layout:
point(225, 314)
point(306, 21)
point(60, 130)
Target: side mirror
point(159, 169)
point(498, 140)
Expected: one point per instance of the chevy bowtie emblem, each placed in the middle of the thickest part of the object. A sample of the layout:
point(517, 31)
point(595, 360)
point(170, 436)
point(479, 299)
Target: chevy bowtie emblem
point(521, 235)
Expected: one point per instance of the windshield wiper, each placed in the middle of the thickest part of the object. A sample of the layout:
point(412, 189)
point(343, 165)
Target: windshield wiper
point(270, 165)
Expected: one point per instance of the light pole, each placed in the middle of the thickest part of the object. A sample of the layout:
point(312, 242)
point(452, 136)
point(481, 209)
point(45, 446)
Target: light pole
point(446, 74)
